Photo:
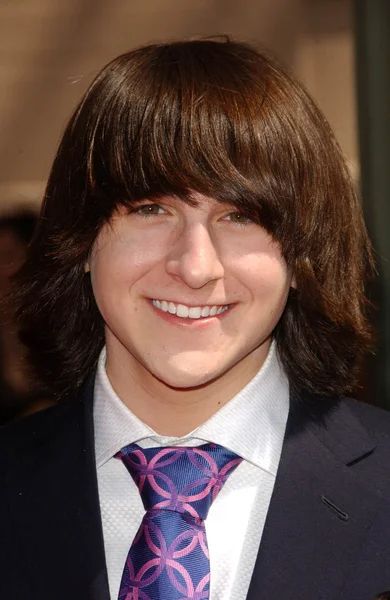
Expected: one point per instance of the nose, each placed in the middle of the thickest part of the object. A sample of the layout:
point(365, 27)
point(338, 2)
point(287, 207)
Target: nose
point(194, 257)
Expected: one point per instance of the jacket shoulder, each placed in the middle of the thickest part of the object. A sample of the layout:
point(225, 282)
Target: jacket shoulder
point(49, 423)
point(374, 419)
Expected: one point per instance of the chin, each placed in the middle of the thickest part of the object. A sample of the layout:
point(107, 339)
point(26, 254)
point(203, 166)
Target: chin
point(186, 378)
point(180, 381)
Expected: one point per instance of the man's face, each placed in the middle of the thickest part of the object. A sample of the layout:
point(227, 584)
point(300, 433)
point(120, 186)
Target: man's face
point(187, 293)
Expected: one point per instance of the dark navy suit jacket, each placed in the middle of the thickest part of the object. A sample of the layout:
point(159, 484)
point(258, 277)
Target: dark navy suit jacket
point(327, 533)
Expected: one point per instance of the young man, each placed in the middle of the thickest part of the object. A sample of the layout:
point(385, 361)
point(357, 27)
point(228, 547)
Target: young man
point(193, 299)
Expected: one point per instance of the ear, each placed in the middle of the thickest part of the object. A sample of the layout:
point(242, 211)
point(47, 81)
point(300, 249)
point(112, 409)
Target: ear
point(293, 283)
point(86, 267)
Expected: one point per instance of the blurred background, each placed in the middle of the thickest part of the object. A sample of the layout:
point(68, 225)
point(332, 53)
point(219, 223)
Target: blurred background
point(51, 49)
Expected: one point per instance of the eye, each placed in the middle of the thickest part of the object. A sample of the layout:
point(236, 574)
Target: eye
point(148, 210)
point(239, 218)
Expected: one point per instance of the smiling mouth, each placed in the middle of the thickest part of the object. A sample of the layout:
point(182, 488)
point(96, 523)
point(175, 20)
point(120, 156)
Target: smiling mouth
point(189, 312)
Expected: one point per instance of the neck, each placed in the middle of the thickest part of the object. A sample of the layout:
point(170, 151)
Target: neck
point(177, 411)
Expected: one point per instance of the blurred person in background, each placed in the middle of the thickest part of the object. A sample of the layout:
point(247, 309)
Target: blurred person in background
point(16, 395)
point(193, 300)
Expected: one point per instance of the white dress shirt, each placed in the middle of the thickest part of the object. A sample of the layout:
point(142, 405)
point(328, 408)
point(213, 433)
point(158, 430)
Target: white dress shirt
point(252, 425)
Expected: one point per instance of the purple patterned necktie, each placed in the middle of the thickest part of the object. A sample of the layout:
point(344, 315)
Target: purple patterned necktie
point(169, 559)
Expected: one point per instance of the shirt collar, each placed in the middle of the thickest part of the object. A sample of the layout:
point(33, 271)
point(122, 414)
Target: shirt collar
point(252, 424)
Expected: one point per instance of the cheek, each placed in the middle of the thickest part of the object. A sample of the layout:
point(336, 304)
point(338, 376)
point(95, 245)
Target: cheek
point(116, 266)
point(258, 264)
point(266, 277)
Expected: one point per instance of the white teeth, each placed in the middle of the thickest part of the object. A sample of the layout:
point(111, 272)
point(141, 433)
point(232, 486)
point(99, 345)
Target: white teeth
point(182, 311)
point(187, 312)
point(194, 312)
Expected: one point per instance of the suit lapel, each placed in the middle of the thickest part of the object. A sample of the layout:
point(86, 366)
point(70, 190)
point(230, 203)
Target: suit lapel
point(320, 511)
point(61, 528)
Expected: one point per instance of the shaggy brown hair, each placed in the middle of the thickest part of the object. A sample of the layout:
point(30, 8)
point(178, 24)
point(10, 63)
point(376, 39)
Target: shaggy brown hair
point(228, 121)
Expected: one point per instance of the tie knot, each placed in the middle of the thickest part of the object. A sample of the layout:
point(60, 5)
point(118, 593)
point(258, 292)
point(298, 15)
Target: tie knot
point(185, 480)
